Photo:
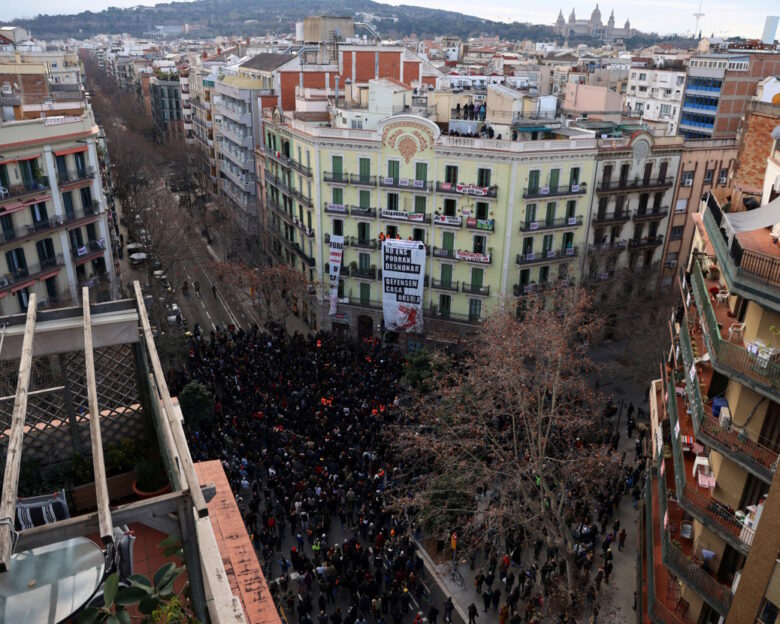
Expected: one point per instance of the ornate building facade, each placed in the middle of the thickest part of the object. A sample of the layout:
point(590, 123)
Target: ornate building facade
point(592, 27)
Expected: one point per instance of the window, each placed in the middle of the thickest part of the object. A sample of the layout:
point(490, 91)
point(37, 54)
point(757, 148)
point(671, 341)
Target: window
point(530, 214)
point(677, 232)
point(448, 241)
point(420, 203)
point(767, 613)
point(681, 205)
point(365, 292)
point(708, 175)
point(547, 243)
point(555, 175)
point(364, 165)
point(680, 80)
point(444, 305)
point(687, 178)
point(449, 207)
point(483, 177)
point(550, 216)
point(482, 210)
point(480, 244)
point(528, 245)
point(338, 196)
point(365, 199)
point(574, 175)
point(533, 182)
point(392, 201)
point(475, 309)
point(571, 208)
point(666, 110)
point(544, 274)
point(724, 174)
point(393, 170)
point(392, 231)
point(338, 227)
point(421, 172)
point(364, 261)
point(642, 76)
point(364, 231)
point(451, 174)
point(446, 275)
point(418, 234)
point(672, 256)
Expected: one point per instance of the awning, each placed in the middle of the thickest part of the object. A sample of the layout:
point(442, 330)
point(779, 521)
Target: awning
point(82, 148)
point(18, 159)
point(750, 220)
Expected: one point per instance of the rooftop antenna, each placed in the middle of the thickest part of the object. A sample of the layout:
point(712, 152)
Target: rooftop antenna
point(698, 15)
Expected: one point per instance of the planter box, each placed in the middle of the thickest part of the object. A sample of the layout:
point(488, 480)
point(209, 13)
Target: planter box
point(120, 486)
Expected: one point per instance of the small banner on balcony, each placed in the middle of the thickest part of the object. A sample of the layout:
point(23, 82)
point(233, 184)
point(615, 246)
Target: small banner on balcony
point(472, 189)
point(336, 253)
point(403, 265)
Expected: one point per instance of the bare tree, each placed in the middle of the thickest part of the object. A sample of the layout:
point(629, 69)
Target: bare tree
point(507, 446)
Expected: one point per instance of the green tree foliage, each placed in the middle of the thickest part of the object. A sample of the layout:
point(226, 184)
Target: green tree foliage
point(197, 404)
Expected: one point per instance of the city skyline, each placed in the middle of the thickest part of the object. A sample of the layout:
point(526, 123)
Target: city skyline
point(721, 19)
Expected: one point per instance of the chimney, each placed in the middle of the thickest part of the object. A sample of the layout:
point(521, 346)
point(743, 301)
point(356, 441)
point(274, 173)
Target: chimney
point(337, 91)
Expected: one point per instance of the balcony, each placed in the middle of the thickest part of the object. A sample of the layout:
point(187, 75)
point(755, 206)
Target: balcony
point(306, 201)
point(30, 230)
point(361, 302)
point(326, 239)
point(357, 211)
point(692, 496)
point(238, 114)
point(551, 255)
point(18, 277)
point(611, 218)
point(756, 458)
point(244, 181)
point(337, 209)
point(362, 243)
point(238, 137)
point(650, 215)
point(555, 191)
point(23, 192)
point(307, 230)
point(609, 247)
point(276, 181)
point(400, 215)
point(405, 184)
point(300, 167)
point(243, 160)
point(564, 223)
point(364, 272)
point(69, 177)
point(648, 242)
point(286, 161)
point(757, 370)
point(458, 188)
point(91, 250)
point(625, 186)
point(295, 248)
point(476, 289)
point(448, 285)
point(446, 315)
point(336, 177)
point(682, 561)
point(750, 264)
point(453, 221)
point(362, 180)
point(441, 252)
point(482, 225)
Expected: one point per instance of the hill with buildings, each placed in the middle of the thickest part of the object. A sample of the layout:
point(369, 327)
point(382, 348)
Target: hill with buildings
point(259, 17)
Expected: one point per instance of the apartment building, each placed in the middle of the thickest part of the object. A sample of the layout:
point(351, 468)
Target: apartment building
point(496, 216)
point(656, 94)
point(166, 105)
point(635, 180)
point(186, 105)
point(201, 97)
point(239, 98)
point(712, 506)
point(54, 231)
point(718, 89)
point(704, 168)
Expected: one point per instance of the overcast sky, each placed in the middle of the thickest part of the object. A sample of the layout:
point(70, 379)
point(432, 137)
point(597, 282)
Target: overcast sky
point(741, 17)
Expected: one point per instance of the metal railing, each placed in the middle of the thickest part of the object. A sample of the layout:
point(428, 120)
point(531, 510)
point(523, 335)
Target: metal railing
point(405, 184)
point(753, 456)
point(300, 196)
point(731, 358)
point(448, 315)
point(647, 215)
point(457, 188)
point(647, 241)
point(709, 588)
point(555, 191)
point(607, 186)
point(547, 256)
point(445, 285)
point(441, 252)
point(704, 508)
point(612, 217)
point(20, 191)
point(476, 289)
point(608, 247)
point(67, 176)
point(364, 243)
point(30, 271)
point(362, 180)
point(563, 222)
point(30, 229)
point(358, 211)
point(336, 176)
point(366, 272)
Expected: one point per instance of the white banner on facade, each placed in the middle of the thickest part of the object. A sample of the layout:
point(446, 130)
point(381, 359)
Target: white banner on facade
point(403, 266)
point(336, 253)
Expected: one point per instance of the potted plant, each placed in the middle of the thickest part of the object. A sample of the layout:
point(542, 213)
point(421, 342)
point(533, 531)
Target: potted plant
point(120, 472)
point(151, 479)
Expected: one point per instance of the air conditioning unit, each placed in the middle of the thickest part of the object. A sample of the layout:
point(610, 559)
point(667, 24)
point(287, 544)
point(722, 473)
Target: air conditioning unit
point(3, 282)
point(725, 418)
point(672, 264)
point(687, 182)
point(722, 180)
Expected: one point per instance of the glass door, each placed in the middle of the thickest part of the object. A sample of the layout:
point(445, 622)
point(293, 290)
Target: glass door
point(555, 174)
point(446, 275)
point(365, 170)
point(338, 167)
point(444, 306)
point(533, 182)
point(448, 241)
point(393, 170)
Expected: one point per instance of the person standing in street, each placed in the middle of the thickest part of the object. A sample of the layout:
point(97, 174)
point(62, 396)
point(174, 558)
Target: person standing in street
point(433, 614)
point(473, 613)
point(448, 606)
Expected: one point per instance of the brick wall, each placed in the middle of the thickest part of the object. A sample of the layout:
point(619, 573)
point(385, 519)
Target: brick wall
point(755, 146)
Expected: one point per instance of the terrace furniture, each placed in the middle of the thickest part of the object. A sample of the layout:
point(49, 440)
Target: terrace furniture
point(736, 330)
point(50, 583)
point(39, 510)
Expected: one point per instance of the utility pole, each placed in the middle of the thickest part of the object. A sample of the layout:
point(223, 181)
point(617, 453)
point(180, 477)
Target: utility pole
point(698, 15)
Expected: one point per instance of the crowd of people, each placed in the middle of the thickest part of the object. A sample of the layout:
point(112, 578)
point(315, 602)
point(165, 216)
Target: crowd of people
point(300, 427)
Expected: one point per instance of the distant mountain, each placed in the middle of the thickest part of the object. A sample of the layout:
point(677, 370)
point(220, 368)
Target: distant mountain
point(259, 17)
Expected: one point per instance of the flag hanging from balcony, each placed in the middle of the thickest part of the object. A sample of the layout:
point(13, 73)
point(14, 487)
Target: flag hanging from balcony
point(336, 253)
point(403, 265)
